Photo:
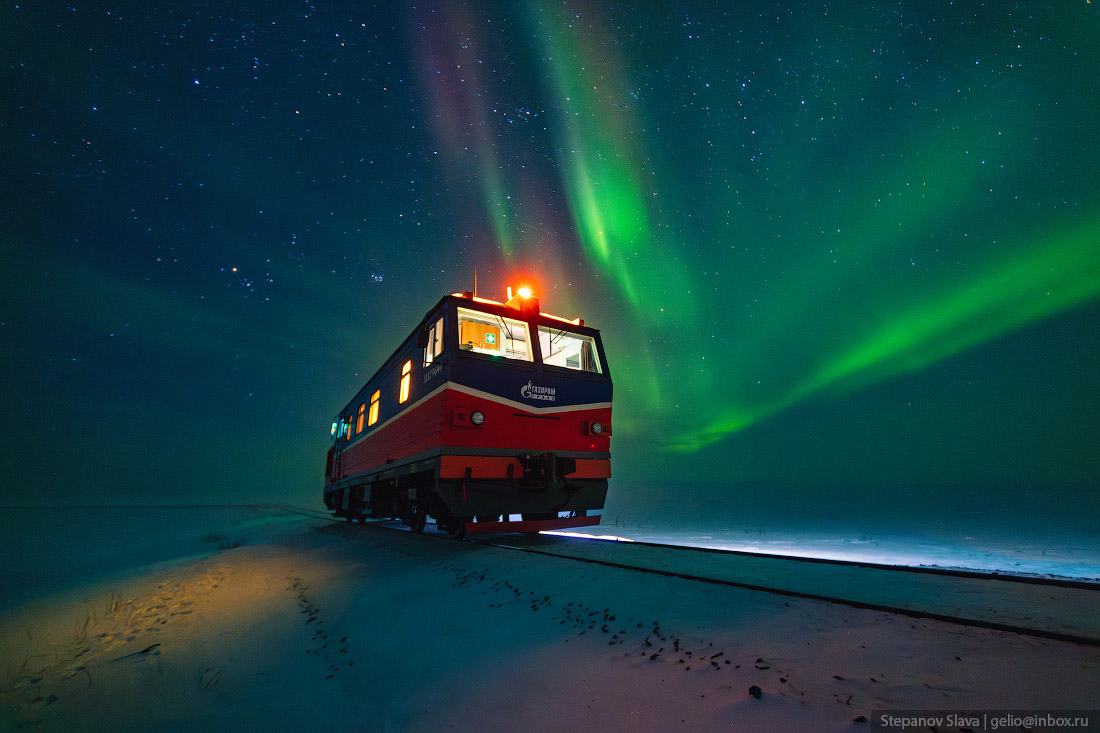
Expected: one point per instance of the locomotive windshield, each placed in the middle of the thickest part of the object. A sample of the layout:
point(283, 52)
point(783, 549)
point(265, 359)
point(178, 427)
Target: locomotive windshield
point(497, 335)
point(570, 350)
point(485, 333)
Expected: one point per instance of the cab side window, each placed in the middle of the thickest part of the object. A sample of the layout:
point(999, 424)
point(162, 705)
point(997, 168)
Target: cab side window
point(435, 342)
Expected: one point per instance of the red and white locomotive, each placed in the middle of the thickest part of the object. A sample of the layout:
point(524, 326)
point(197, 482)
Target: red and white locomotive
point(486, 411)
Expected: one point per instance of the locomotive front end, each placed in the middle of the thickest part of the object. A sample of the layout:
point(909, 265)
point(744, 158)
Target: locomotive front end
point(502, 423)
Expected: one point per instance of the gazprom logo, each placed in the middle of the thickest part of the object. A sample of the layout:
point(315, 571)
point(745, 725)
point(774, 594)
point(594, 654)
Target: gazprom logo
point(531, 391)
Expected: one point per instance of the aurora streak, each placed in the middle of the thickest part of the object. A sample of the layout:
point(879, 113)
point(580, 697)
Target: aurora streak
point(832, 268)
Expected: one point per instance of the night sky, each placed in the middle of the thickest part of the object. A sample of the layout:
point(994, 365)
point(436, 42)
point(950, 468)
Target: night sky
point(827, 244)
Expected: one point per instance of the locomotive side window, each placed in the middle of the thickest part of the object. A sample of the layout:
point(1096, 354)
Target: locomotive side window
point(406, 378)
point(570, 350)
point(435, 342)
point(372, 417)
point(339, 429)
point(359, 419)
point(484, 333)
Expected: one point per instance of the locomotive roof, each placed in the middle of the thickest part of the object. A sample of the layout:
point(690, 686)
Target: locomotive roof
point(527, 306)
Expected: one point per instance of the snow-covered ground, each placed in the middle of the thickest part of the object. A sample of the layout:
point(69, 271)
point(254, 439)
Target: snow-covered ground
point(1006, 533)
point(257, 619)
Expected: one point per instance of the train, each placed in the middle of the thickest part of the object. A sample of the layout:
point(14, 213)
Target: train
point(490, 417)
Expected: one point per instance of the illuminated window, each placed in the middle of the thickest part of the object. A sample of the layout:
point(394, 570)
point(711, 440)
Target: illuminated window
point(372, 418)
point(570, 350)
point(484, 333)
point(406, 377)
point(435, 342)
point(359, 420)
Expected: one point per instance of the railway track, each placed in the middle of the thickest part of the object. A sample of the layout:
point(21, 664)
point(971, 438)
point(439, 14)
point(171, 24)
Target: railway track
point(1053, 608)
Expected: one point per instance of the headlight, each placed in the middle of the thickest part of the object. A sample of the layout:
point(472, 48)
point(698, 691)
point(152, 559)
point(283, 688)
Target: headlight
point(596, 428)
point(477, 417)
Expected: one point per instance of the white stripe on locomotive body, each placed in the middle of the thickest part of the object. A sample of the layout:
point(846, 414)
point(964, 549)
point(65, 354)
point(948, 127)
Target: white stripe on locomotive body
point(519, 405)
point(486, 396)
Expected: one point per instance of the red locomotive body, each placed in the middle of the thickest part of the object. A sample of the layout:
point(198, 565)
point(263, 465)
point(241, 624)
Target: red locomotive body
point(486, 411)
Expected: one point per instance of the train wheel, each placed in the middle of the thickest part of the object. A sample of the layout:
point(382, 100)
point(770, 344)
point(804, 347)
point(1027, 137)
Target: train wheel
point(417, 518)
point(455, 527)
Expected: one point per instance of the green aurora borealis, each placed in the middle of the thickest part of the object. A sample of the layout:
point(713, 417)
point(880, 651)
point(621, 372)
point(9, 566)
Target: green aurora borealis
point(825, 243)
point(876, 210)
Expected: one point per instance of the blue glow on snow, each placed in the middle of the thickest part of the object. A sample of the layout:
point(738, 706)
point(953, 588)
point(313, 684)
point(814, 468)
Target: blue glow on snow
point(604, 537)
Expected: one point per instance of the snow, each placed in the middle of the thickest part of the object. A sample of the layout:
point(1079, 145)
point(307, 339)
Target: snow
point(153, 619)
point(972, 529)
point(57, 546)
point(1067, 609)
